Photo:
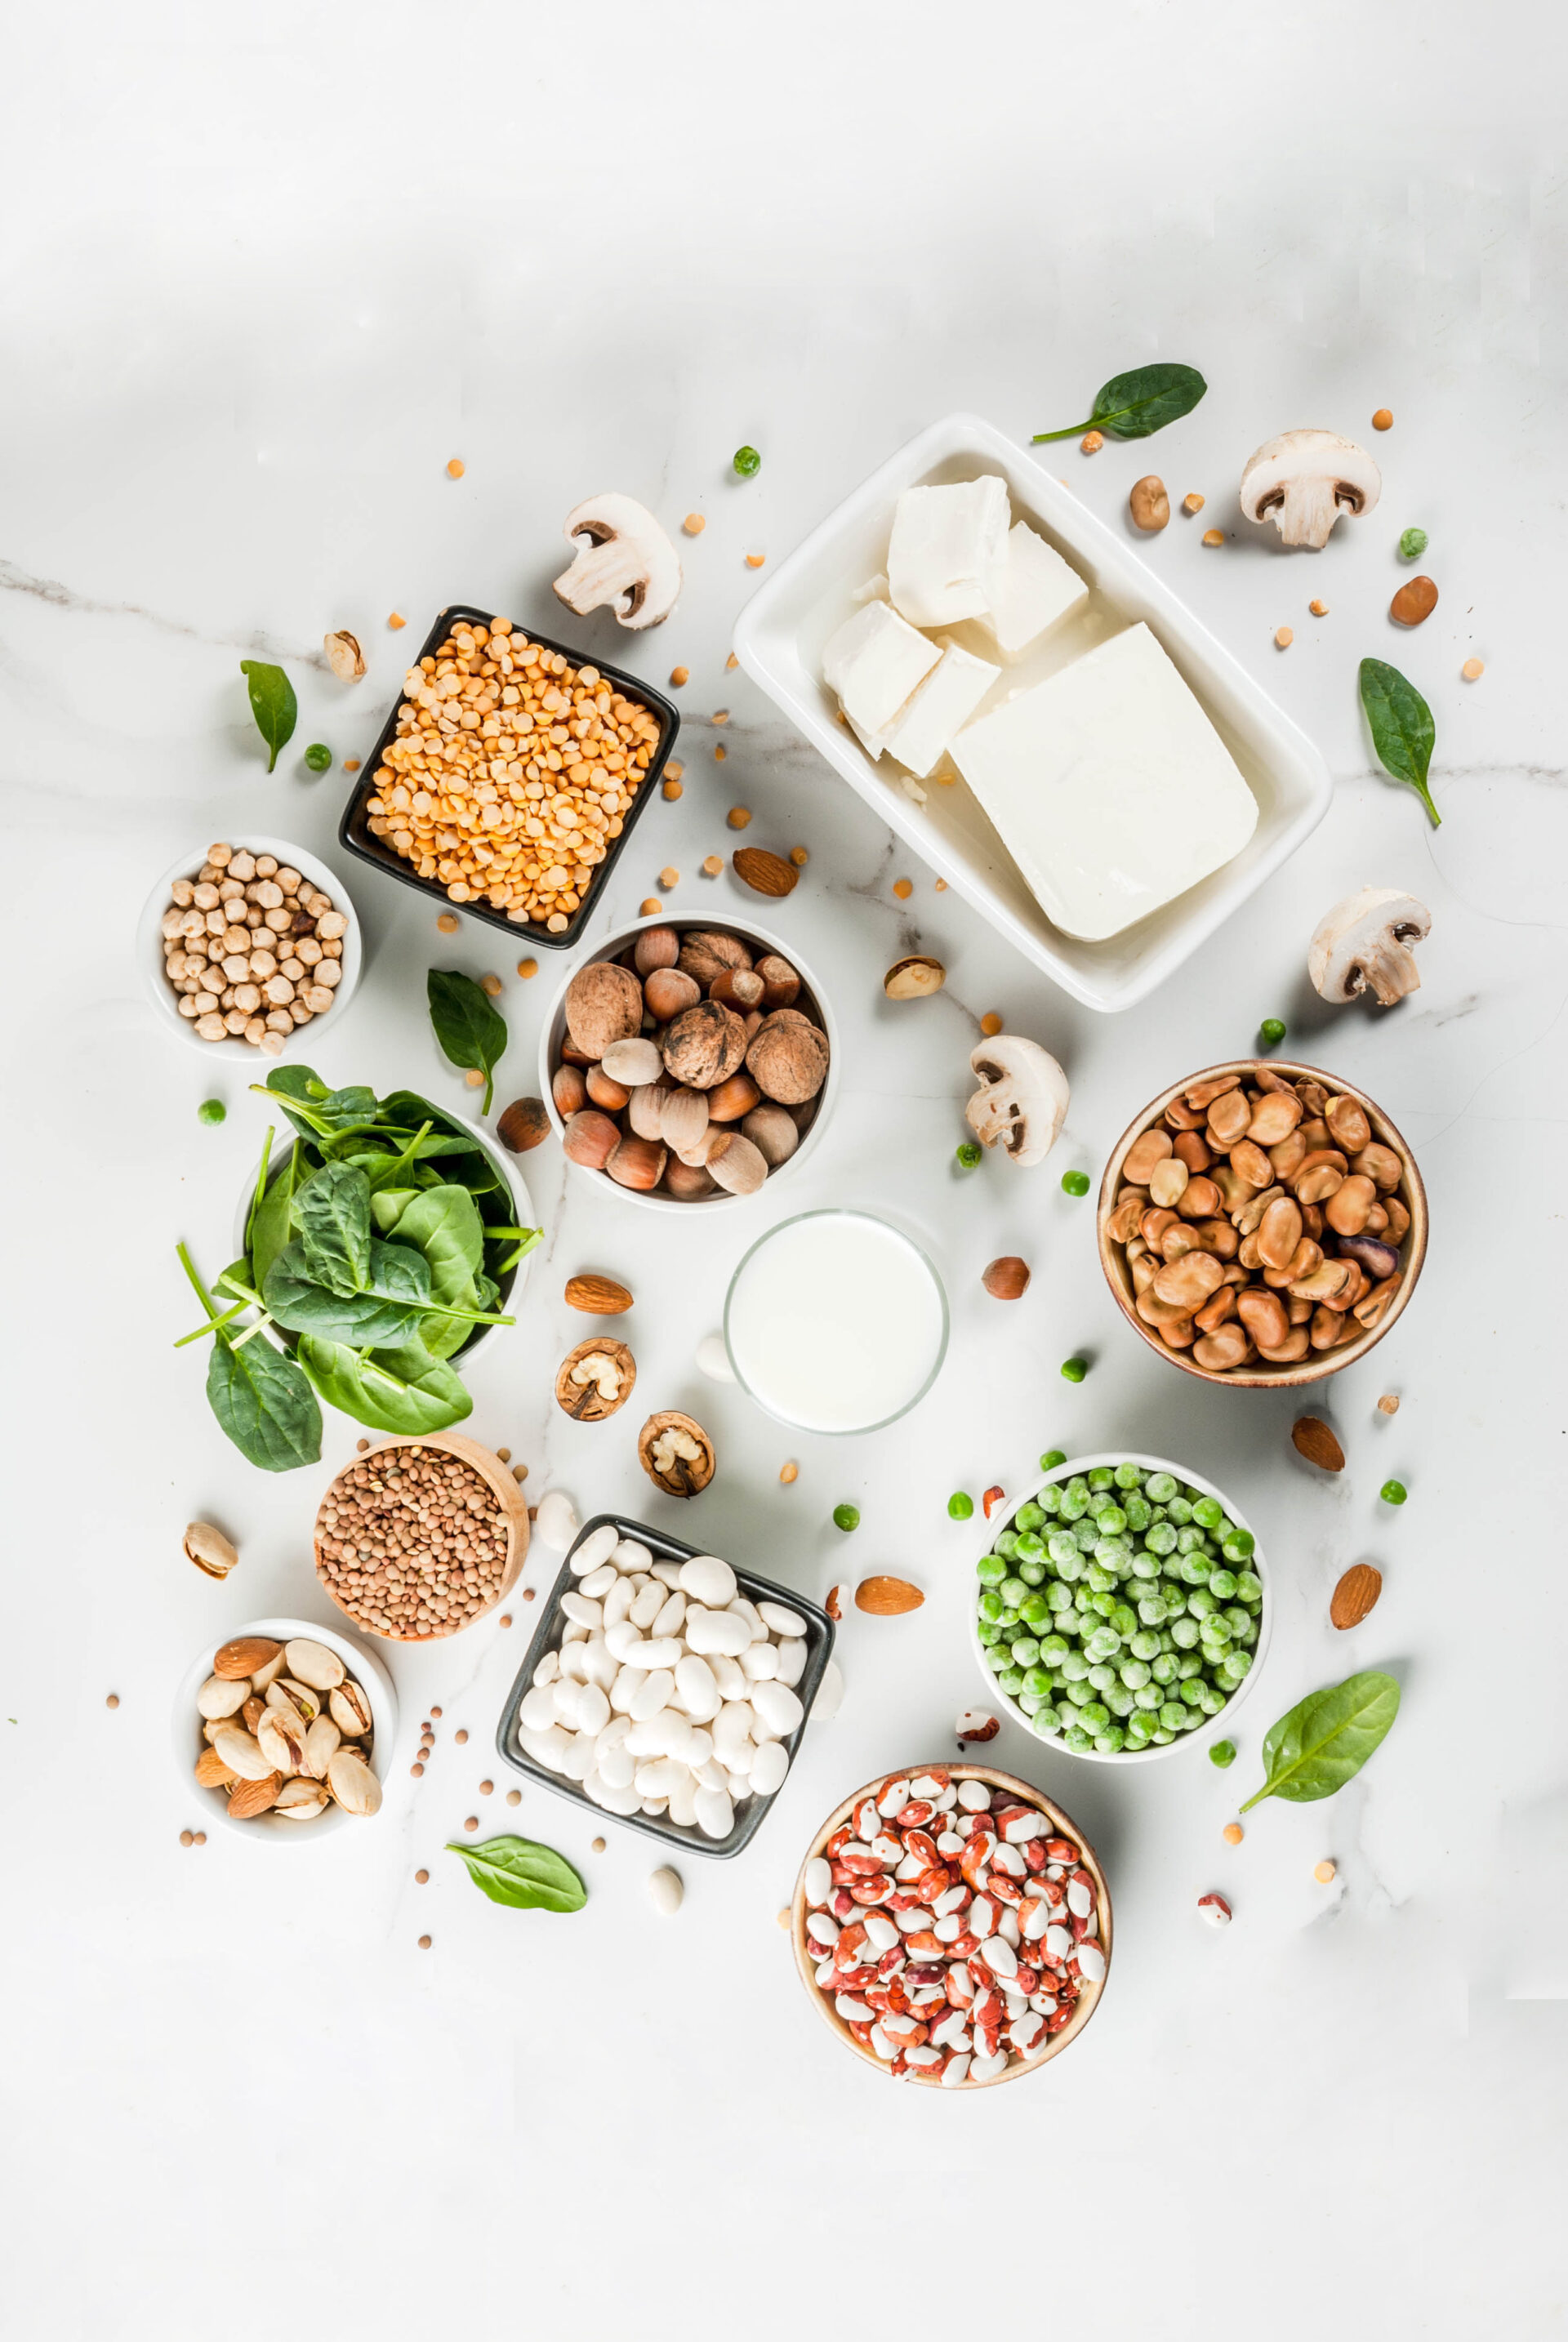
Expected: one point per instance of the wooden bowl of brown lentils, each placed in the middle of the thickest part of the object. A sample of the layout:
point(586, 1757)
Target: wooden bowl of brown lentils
point(1262, 1223)
point(419, 1537)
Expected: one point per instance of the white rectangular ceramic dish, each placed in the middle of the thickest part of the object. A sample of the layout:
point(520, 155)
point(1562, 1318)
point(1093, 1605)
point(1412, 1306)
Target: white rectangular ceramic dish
point(779, 643)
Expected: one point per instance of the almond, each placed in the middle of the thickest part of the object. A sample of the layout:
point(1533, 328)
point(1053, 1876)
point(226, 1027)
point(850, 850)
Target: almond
point(252, 1797)
point(212, 1772)
point(1355, 1594)
point(765, 873)
point(600, 1296)
point(887, 1597)
point(243, 1657)
point(1312, 1439)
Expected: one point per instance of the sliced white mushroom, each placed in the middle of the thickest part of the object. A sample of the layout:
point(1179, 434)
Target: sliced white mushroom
point(1365, 941)
point(622, 558)
point(1022, 1101)
point(1304, 480)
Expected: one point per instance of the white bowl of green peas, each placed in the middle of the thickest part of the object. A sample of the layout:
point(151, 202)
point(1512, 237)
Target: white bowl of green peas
point(1133, 1642)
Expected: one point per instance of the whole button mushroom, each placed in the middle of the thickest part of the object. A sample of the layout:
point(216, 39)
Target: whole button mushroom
point(623, 557)
point(1022, 1101)
point(1365, 943)
point(1304, 480)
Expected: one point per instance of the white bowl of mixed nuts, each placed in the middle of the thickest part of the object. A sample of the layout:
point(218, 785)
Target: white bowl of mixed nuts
point(689, 1061)
point(261, 892)
point(283, 1731)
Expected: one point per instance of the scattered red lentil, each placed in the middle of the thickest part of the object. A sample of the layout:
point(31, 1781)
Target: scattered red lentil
point(455, 468)
point(903, 888)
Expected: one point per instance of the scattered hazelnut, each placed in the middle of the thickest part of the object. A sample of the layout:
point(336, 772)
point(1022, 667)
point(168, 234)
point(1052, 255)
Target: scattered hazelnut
point(525, 1124)
point(1006, 1279)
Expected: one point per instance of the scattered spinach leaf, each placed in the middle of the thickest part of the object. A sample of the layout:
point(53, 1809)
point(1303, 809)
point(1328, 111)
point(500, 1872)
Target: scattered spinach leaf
point(1402, 731)
point(272, 704)
point(1326, 1738)
point(523, 1875)
point(471, 1030)
point(1133, 406)
point(260, 1395)
point(403, 1390)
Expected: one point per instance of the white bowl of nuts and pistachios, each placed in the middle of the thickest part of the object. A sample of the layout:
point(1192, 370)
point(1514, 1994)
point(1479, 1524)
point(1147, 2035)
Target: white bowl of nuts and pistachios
point(285, 1730)
point(689, 1061)
point(245, 944)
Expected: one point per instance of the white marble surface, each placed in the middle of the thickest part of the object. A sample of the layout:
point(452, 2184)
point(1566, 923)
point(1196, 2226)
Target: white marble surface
point(267, 269)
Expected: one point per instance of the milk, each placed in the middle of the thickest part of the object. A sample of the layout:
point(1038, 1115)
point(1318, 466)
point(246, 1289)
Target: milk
point(836, 1322)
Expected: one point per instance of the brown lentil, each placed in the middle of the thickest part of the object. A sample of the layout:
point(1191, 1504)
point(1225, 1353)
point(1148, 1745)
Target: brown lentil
point(411, 1542)
point(1318, 609)
point(597, 1846)
point(435, 1711)
point(113, 1700)
point(188, 1837)
point(1383, 420)
point(990, 1022)
point(527, 1594)
point(422, 1878)
point(424, 1943)
point(1283, 638)
point(200, 1838)
point(461, 1738)
point(486, 1788)
point(514, 1797)
point(472, 1823)
point(505, 1618)
point(510, 773)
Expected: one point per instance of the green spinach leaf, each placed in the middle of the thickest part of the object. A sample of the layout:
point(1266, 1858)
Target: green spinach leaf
point(523, 1875)
point(403, 1390)
point(388, 1309)
point(273, 1223)
point(272, 704)
point(386, 1203)
point(261, 1400)
point(445, 1224)
point(1133, 405)
point(471, 1030)
point(1326, 1738)
point(1402, 731)
point(332, 1213)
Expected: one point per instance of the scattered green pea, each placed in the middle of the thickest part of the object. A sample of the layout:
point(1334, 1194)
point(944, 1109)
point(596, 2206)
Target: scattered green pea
point(1271, 1032)
point(212, 1110)
point(1052, 1457)
point(1074, 1369)
point(1394, 1492)
point(318, 757)
point(1075, 1182)
point(960, 1507)
point(1412, 544)
point(748, 463)
point(969, 1154)
point(846, 1517)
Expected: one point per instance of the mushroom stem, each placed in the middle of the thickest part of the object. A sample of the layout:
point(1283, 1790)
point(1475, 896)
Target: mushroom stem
point(1391, 970)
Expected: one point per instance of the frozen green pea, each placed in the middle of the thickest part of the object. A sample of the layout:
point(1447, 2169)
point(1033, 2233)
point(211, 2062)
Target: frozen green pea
point(1394, 1492)
point(1074, 1369)
point(1025, 1651)
point(1124, 1620)
point(1149, 1699)
point(1078, 1740)
point(846, 1517)
point(1271, 1031)
point(747, 462)
point(1184, 1633)
point(1139, 1515)
point(1037, 1680)
point(1190, 1540)
point(1139, 1731)
point(1223, 1753)
point(960, 1506)
point(212, 1111)
point(1047, 1720)
point(1413, 543)
point(1069, 1569)
point(1145, 1645)
point(1101, 1678)
point(1249, 1586)
point(1059, 1596)
point(1033, 1573)
point(1208, 1513)
point(1050, 1501)
point(1060, 1544)
point(1085, 1535)
point(1152, 1610)
point(1052, 1458)
point(318, 757)
point(989, 1635)
point(1179, 1511)
point(968, 1154)
point(1095, 1717)
point(1014, 1591)
point(1163, 1667)
point(1161, 1538)
point(1210, 1700)
point(1028, 1700)
point(1103, 1643)
point(1161, 1738)
point(1217, 1635)
point(1076, 1498)
point(1239, 1621)
point(991, 1568)
point(1099, 1580)
point(1134, 1673)
point(1128, 1476)
point(1079, 1693)
point(997, 1656)
point(1101, 1605)
point(1074, 1667)
point(1100, 1476)
point(1028, 1516)
point(1173, 1716)
point(1075, 1182)
point(1188, 1665)
point(1010, 1680)
point(1027, 1547)
point(1145, 1567)
point(1054, 1649)
point(1117, 1699)
point(1240, 1546)
point(1201, 1603)
point(1009, 1618)
point(1113, 1521)
point(1160, 1487)
point(990, 1606)
point(1221, 1585)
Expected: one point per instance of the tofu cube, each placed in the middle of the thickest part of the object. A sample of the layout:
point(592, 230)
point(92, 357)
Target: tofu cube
point(945, 701)
point(1038, 590)
point(948, 551)
point(873, 662)
point(1109, 786)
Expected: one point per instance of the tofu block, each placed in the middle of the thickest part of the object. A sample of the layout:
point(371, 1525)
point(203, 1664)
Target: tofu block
point(1038, 589)
point(873, 662)
point(947, 699)
point(1109, 786)
point(948, 551)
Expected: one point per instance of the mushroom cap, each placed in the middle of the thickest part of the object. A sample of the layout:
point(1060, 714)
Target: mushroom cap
point(1365, 940)
point(1305, 480)
point(1022, 1099)
point(623, 557)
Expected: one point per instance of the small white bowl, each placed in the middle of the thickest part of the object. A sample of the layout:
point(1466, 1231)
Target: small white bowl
point(517, 1186)
point(555, 1032)
point(779, 638)
point(1213, 1728)
point(150, 950)
point(362, 1664)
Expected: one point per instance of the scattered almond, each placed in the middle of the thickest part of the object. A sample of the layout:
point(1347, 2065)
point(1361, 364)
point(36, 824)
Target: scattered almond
point(246, 1657)
point(1312, 1439)
point(252, 1797)
point(765, 873)
point(887, 1597)
point(1354, 1595)
point(600, 1296)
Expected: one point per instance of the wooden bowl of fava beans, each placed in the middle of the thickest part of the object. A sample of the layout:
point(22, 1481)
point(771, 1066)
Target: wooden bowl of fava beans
point(1048, 1853)
point(1262, 1223)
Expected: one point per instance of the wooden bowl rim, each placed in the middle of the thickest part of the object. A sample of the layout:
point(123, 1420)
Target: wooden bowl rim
point(960, 1770)
point(1411, 1190)
point(497, 1478)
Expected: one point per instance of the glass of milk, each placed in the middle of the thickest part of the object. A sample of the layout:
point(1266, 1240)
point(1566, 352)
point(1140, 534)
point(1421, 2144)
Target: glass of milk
point(836, 1322)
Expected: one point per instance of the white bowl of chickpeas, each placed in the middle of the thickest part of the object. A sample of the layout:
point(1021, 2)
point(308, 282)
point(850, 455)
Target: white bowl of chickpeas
point(285, 959)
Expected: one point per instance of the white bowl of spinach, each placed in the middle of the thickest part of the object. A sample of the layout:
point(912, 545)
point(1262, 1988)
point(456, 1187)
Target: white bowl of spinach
point(375, 1252)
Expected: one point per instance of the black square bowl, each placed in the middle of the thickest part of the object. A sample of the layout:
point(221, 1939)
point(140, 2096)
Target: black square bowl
point(355, 831)
point(547, 1638)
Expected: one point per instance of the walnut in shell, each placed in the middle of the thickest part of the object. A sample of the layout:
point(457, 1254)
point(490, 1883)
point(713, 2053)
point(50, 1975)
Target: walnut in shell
point(604, 1006)
point(703, 1045)
point(707, 952)
point(595, 1379)
point(677, 1454)
point(787, 1058)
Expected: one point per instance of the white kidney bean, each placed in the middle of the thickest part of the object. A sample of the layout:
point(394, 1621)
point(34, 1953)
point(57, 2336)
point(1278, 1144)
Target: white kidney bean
point(722, 1631)
point(715, 1814)
point(732, 1684)
point(623, 1640)
point(669, 1618)
point(646, 1604)
point(631, 1556)
point(819, 1884)
point(594, 1549)
point(791, 1662)
point(652, 1694)
point(759, 1663)
point(777, 1707)
point(709, 1580)
point(769, 1767)
point(581, 1610)
point(598, 1582)
point(780, 1621)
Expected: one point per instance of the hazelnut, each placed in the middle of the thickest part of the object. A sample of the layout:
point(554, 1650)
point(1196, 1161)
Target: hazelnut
point(603, 1005)
point(732, 1099)
point(683, 1119)
point(637, 1163)
point(656, 948)
point(523, 1124)
point(704, 1044)
point(788, 1057)
point(739, 988)
point(591, 1139)
point(706, 953)
point(668, 990)
point(773, 1133)
point(645, 1109)
point(781, 982)
point(631, 1063)
point(569, 1090)
point(1006, 1279)
point(604, 1092)
point(737, 1165)
point(687, 1182)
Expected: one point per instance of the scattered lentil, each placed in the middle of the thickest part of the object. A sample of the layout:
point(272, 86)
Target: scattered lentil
point(720, 753)
point(422, 1878)
point(435, 1711)
point(1283, 638)
point(732, 660)
point(672, 790)
point(351, 764)
point(1091, 443)
point(1318, 609)
point(694, 524)
point(1193, 503)
point(527, 967)
point(1323, 1872)
point(738, 815)
point(788, 1473)
point(448, 922)
point(514, 1797)
point(461, 1738)
point(455, 469)
point(1472, 670)
point(1388, 1404)
point(472, 1823)
point(424, 1943)
point(679, 675)
point(1383, 420)
point(990, 1022)
point(416, 1769)
point(669, 877)
point(755, 560)
point(675, 769)
point(506, 1618)
point(941, 885)
point(713, 865)
point(492, 984)
point(113, 1700)
point(1213, 536)
point(649, 907)
point(903, 888)
point(781, 1918)
point(486, 1788)
point(362, 1447)
point(799, 857)
point(188, 1837)
point(596, 1845)
point(200, 1838)
point(1232, 1833)
point(397, 622)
